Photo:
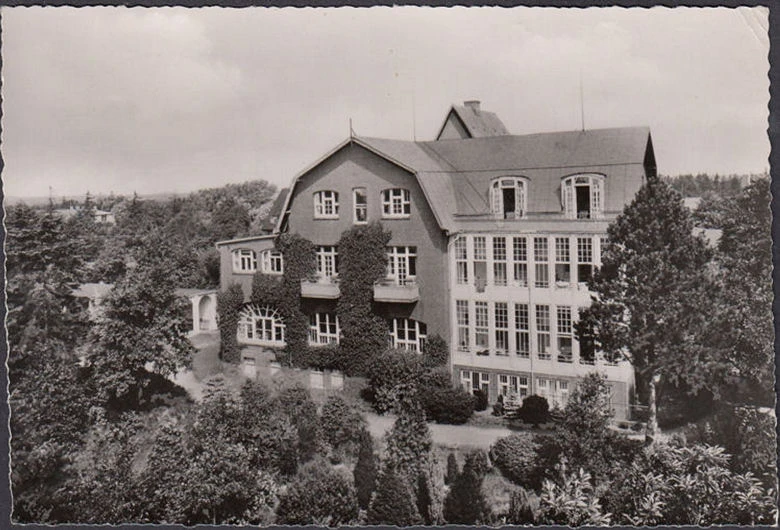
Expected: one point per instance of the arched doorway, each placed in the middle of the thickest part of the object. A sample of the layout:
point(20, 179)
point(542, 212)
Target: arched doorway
point(207, 312)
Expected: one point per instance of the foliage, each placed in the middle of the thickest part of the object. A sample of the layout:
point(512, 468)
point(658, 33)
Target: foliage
point(652, 292)
point(465, 502)
point(674, 484)
point(480, 400)
point(535, 410)
point(430, 492)
point(451, 405)
point(342, 425)
point(394, 502)
point(436, 352)
point(139, 331)
point(362, 262)
point(702, 184)
point(571, 501)
point(365, 470)
point(452, 469)
point(229, 304)
point(299, 264)
point(408, 443)
point(296, 403)
point(516, 457)
point(394, 379)
point(523, 508)
point(319, 495)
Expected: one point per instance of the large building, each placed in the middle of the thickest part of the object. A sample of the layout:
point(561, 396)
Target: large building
point(494, 237)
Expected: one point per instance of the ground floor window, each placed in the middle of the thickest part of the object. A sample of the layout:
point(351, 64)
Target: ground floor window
point(260, 325)
point(323, 329)
point(408, 334)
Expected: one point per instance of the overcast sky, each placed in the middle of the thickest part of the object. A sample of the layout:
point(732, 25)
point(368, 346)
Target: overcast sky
point(156, 100)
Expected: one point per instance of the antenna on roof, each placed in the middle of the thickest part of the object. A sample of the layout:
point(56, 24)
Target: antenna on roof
point(351, 131)
point(582, 105)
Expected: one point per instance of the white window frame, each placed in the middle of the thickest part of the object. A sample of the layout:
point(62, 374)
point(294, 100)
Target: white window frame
point(497, 187)
point(543, 331)
point(244, 261)
point(584, 256)
point(465, 380)
point(541, 263)
point(401, 263)
point(324, 329)
point(501, 327)
point(359, 209)
point(461, 260)
point(401, 330)
point(480, 262)
point(562, 260)
point(270, 331)
point(327, 262)
point(272, 262)
point(481, 326)
point(396, 203)
point(462, 320)
point(522, 329)
point(569, 197)
point(499, 261)
point(565, 329)
point(326, 204)
point(520, 261)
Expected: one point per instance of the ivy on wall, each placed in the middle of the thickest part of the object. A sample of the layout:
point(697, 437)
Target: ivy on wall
point(362, 262)
point(229, 303)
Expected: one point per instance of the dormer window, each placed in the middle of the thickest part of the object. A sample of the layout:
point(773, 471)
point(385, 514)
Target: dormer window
point(507, 197)
point(396, 203)
point(326, 205)
point(244, 261)
point(582, 196)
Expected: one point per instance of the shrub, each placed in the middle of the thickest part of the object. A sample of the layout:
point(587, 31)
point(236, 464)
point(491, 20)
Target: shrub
point(465, 503)
point(229, 304)
point(394, 378)
point(480, 400)
point(319, 494)
point(448, 405)
point(365, 470)
point(452, 469)
point(394, 502)
point(438, 377)
point(535, 410)
point(523, 508)
point(436, 352)
point(342, 425)
point(515, 456)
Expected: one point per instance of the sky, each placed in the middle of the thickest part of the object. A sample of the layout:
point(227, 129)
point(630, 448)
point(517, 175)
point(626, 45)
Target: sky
point(114, 99)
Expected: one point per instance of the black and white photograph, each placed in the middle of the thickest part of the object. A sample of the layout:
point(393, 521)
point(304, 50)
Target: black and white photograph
point(405, 265)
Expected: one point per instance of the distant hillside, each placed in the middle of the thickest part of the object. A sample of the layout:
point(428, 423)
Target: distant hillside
point(79, 199)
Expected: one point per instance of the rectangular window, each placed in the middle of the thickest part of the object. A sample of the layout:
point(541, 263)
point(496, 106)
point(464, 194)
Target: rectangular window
point(402, 264)
point(563, 393)
point(326, 204)
point(481, 326)
point(522, 331)
point(327, 262)
point(408, 334)
point(502, 328)
point(564, 326)
point(584, 259)
point(562, 261)
point(522, 385)
point(465, 380)
point(361, 205)
point(520, 258)
point(323, 329)
point(499, 260)
point(396, 203)
point(462, 316)
point(480, 263)
point(503, 385)
point(484, 380)
point(541, 257)
point(543, 331)
point(244, 260)
point(461, 261)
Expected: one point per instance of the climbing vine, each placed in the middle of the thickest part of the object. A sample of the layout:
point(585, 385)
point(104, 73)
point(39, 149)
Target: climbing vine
point(362, 261)
point(229, 303)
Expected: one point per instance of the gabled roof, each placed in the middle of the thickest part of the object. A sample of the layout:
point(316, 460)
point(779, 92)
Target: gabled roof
point(271, 219)
point(453, 174)
point(478, 123)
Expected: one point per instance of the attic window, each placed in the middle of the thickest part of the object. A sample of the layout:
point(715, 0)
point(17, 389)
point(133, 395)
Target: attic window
point(244, 260)
point(326, 205)
point(582, 196)
point(507, 197)
point(396, 203)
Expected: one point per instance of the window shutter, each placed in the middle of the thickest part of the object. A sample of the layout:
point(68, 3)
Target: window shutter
point(495, 198)
point(567, 196)
point(519, 199)
point(596, 194)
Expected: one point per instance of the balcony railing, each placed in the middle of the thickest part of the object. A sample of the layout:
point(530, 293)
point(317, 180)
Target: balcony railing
point(326, 288)
point(397, 291)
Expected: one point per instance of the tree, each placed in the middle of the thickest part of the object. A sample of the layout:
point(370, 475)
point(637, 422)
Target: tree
point(365, 470)
point(408, 443)
point(296, 403)
point(535, 410)
point(229, 303)
point(651, 294)
point(452, 469)
point(140, 331)
point(320, 495)
point(465, 503)
point(342, 425)
point(394, 502)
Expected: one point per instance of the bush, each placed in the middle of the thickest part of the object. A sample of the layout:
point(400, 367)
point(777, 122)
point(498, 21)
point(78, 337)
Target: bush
point(342, 425)
point(535, 410)
point(480, 400)
point(452, 469)
point(436, 352)
point(516, 457)
point(365, 470)
point(229, 304)
point(448, 405)
point(438, 377)
point(394, 377)
point(393, 502)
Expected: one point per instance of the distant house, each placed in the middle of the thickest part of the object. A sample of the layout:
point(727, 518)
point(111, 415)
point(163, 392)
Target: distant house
point(494, 237)
point(100, 216)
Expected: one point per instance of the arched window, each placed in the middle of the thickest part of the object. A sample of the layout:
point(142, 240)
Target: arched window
point(507, 197)
point(262, 326)
point(582, 196)
point(326, 204)
point(396, 203)
point(272, 262)
point(244, 261)
point(408, 334)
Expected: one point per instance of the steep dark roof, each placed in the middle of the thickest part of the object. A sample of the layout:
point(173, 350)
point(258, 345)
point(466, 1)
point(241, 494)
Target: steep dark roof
point(269, 223)
point(480, 123)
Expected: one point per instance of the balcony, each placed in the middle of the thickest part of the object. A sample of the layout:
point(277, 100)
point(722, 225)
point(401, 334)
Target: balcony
point(399, 292)
point(324, 288)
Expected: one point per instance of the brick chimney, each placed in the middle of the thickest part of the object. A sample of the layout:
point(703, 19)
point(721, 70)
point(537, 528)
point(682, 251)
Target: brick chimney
point(472, 104)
